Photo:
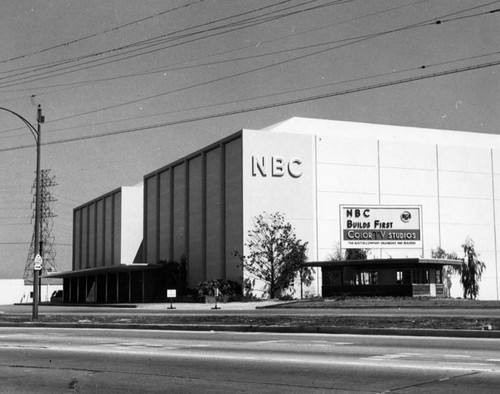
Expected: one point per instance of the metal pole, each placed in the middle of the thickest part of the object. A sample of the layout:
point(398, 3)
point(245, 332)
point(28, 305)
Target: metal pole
point(38, 247)
point(37, 135)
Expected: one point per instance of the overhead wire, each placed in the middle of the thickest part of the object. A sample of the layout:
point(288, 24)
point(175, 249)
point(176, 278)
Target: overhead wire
point(94, 35)
point(178, 65)
point(178, 68)
point(354, 40)
point(287, 92)
point(420, 24)
point(132, 53)
point(266, 106)
point(38, 77)
point(336, 2)
point(425, 23)
point(152, 42)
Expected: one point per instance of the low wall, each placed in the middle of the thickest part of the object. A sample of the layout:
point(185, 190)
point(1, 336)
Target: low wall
point(369, 290)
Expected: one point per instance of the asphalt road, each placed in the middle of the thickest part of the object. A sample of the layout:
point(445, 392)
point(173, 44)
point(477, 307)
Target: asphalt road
point(48, 360)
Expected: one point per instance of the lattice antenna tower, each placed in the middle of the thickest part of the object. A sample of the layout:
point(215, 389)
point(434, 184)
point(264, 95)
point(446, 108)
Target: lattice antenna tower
point(47, 183)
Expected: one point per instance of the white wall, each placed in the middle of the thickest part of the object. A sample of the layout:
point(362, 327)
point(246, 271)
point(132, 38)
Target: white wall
point(283, 190)
point(347, 173)
point(454, 176)
point(132, 222)
point(467, 208)
point(11, 291)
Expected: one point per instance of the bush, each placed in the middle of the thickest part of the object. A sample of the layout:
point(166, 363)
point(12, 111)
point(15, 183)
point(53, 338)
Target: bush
point(174, 275)
point(228, 288)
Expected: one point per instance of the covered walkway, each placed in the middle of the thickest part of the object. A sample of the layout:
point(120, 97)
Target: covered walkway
point(116, 284)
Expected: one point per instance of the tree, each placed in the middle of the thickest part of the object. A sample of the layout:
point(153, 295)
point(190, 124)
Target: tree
point(275, 254)
point(356, 254)
point(349, 254)
point(448, 270)
point(471, 270)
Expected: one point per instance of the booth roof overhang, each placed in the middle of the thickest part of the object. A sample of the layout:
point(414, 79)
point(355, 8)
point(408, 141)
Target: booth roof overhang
point(104, 270)
point(403, 262)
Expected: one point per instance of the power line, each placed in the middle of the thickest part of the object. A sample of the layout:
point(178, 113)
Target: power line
point(148, 43)
point(427, 66)
point(133, 53)
point(374, 76)
point(306, 55)
point(337, 2)
point(164, 38)
point(68, 43)
point(269, 106)
point(437, 21)
point(178, 65)
point(430, 22)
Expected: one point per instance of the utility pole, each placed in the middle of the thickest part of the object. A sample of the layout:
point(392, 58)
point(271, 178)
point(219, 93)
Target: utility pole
point(38, 259)
point(37, 135)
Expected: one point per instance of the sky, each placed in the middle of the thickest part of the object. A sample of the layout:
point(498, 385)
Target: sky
point(126, 87)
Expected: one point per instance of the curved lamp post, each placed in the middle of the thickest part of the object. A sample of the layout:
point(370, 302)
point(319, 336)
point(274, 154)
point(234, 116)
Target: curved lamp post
point(37, 135)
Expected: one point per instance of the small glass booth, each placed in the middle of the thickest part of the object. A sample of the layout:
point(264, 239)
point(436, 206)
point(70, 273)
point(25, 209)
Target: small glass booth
point(406, 277)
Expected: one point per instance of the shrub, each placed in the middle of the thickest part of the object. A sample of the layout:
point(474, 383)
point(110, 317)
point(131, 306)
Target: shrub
point(227, 288)
point(174, 275)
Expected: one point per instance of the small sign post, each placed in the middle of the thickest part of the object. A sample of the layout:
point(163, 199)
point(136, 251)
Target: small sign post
point(216, 294)
point(171, 293)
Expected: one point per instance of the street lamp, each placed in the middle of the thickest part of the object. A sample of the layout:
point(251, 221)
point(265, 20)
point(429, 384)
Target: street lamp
point(37, 134)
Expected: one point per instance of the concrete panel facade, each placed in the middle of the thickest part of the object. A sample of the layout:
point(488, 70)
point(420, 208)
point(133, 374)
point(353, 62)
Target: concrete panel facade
point(193, 208)
point(196, 245)
point(107, 231)
point(202, 206)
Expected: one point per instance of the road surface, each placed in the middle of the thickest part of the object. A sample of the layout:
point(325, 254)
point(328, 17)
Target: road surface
point(48, 360)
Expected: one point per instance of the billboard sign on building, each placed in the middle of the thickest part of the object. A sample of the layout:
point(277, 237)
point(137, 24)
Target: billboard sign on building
point(380, 227)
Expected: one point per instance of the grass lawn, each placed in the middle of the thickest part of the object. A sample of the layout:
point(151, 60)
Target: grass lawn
point(390, 302)
point(462, 320)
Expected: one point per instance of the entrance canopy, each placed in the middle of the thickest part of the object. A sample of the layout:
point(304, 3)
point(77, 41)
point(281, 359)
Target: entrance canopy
point(123, 283)
point(384, 262)
point(103, 270)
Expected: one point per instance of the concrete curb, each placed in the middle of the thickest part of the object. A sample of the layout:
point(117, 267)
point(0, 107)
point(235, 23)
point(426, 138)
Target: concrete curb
point(329, 307)
point(269, 329)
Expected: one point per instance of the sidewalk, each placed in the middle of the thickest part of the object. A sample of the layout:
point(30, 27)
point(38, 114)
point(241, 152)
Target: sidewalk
point(193, 306)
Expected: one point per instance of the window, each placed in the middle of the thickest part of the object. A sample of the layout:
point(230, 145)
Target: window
point(364, 278)
point(439, 276)
point(403, 277)
point(399, 277)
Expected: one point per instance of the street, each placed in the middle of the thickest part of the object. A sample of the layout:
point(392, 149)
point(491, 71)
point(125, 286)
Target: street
point(51, 360)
